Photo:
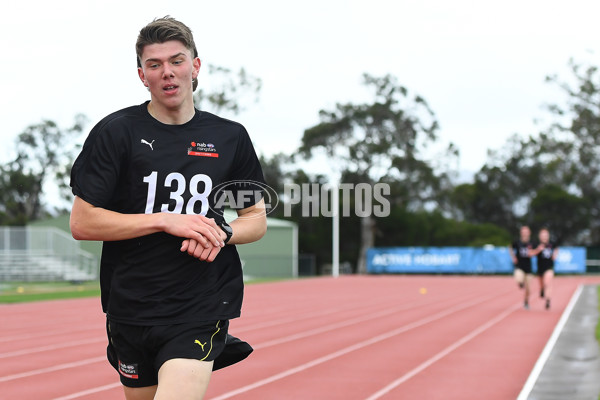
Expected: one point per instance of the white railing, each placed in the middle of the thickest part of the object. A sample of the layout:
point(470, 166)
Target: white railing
point(43, 254)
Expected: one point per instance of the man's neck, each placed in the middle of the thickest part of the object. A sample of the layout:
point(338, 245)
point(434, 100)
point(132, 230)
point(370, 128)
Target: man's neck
point(168, 116)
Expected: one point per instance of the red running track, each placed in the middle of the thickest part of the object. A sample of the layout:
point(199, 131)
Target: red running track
point(354, 337)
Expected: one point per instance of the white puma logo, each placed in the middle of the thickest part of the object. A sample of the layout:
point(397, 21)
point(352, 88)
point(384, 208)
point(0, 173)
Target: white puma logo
point(149, 144)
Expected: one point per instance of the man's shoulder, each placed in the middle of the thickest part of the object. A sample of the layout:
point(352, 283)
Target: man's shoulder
point(213, 119)
point(120, 115)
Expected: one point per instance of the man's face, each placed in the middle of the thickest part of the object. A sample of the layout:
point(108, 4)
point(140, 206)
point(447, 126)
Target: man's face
point(525, 234)
point(544, 236)
point(167, 70)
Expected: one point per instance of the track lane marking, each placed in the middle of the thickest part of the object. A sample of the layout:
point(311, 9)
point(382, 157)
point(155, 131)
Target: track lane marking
point(465, 339)
point(315, 331)
point(306, 315)
point(539, 365)
point(331, 327)
point(258, 346)
point(89, 391)
point(58, 367)
point(351, 349)
point(46, 334)
point(50, 347)
point(284, 321)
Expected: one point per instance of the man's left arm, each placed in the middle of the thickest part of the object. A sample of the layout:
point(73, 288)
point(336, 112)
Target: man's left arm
point(250, 225)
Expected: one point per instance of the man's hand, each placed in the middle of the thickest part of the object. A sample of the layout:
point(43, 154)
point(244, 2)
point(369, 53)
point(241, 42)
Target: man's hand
point(202, 230)
point(195, 249)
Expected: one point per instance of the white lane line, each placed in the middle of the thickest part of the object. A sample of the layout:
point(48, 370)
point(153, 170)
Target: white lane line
point(50, 347)
point(443, 353)
point(349, 349)
point(89, 391)
point(338, 325)
point(352, 321)
point(45, 334)
point(260, 345)
point(305, 315)
point(539, 365)
point(58, 367)
point(284, 321)
point(287, 320)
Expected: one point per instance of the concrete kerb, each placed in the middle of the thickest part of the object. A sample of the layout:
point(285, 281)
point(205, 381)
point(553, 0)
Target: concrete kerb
point(569, 366)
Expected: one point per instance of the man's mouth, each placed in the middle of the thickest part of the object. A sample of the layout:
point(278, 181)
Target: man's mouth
point(170, 87)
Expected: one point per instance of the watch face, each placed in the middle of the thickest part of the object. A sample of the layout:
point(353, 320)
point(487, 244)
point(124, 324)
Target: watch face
point(227, 229)
point(225, 226)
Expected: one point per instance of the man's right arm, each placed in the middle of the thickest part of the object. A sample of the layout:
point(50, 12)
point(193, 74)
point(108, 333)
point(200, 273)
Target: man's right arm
point(513, 256)
point(536, 251)
point(89, 222)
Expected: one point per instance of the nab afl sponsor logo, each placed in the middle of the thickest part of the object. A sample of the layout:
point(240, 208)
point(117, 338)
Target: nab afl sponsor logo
point(238, 195)
point(128, 370)
point(201, 149)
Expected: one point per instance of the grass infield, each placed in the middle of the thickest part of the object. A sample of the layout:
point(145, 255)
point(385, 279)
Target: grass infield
point(21, 292)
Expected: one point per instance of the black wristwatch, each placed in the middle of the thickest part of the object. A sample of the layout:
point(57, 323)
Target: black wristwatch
point(227, 229)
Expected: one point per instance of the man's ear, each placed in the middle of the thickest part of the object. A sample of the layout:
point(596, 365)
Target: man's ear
point(196, 65)
point(142, 76)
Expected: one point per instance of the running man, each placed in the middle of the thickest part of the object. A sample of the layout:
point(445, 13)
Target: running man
point(171, 277)
point(520, 253)
point(546, 252)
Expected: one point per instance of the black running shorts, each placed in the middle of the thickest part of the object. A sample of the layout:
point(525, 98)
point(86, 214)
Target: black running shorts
point(138, 352)
point(542, 269)
point(525, 268)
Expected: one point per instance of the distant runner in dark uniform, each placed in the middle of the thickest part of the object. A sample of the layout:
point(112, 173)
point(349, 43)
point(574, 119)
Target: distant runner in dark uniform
point(546, 252)
point(521, 252)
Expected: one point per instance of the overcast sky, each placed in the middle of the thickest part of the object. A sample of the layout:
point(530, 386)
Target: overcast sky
point(480, 64)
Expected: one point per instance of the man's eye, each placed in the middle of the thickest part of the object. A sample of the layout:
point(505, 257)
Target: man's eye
point(153, 66)
point(177, 62)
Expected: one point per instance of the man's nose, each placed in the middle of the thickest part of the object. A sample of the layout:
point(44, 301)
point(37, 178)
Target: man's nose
point(167, 71)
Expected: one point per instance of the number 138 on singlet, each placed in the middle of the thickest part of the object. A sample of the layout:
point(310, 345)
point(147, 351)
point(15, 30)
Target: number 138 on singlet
point(177, 185)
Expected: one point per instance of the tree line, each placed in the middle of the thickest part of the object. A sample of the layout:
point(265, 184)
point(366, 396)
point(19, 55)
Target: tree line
point(547, 179)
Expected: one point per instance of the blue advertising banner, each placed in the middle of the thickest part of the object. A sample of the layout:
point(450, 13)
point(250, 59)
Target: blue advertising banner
point(467, 260)
point(570, 260)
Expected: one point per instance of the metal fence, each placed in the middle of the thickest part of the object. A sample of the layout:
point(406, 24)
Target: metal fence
point(43, 254)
